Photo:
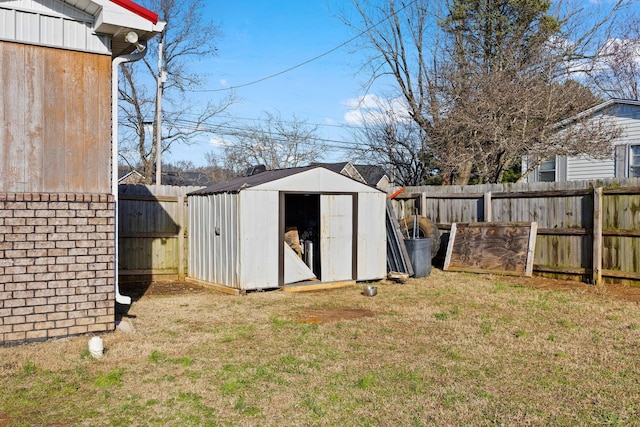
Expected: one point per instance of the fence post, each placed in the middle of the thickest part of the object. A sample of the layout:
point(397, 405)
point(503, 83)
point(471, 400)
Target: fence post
point(596, 277)
point(487, 207)
point(181, 275)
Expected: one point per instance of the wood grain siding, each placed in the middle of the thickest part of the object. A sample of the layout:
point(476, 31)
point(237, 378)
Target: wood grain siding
point(55, 108)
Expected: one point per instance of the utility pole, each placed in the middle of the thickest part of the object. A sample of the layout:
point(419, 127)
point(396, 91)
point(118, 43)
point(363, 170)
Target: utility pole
point(160, 79)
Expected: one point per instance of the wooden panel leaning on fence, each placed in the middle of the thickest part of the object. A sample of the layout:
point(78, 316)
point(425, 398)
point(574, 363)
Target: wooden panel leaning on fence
point(501, 248)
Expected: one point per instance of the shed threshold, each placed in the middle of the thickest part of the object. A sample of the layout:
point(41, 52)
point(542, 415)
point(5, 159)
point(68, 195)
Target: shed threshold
point(316, 286)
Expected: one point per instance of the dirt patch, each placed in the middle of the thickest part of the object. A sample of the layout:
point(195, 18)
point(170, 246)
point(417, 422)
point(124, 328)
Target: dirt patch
point(138, 290)
point(615, 291)
point(332, 314)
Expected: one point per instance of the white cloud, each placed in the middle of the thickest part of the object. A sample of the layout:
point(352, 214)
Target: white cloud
point(372, 108)
point(224, 83)
point(219, 142)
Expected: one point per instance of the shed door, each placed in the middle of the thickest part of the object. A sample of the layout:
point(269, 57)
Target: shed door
point(336, 237)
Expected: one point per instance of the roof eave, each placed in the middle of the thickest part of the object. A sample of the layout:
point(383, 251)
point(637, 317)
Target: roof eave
point(595, 109)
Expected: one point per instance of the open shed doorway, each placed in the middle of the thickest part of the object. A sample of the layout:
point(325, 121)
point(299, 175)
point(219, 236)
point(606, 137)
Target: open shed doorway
point(302, 228)
point(320, 228)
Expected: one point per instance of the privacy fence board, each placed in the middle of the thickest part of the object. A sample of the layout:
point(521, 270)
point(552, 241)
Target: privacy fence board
point(152, 232)
point(587, 230)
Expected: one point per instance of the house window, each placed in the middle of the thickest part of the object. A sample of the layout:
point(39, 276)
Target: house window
point(547, 170)
point(634, 161)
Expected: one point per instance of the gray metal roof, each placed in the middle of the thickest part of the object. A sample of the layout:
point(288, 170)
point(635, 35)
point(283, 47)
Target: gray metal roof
point(336, 167)
point(238, 184)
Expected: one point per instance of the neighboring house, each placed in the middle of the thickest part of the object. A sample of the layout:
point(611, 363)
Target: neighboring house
point(130, 177)
point(625, 158)
point(374, 175)
point(368, 174)
point(58, 178)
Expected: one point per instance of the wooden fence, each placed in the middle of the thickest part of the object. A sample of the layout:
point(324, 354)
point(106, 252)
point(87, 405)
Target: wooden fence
point(152, 232)
point(587, 230)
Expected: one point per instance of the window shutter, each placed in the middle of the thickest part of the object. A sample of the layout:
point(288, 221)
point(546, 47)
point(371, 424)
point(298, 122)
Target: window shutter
point(620, 160)
point(561, 168)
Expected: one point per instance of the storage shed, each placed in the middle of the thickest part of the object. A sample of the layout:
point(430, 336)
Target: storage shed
point(285, 226)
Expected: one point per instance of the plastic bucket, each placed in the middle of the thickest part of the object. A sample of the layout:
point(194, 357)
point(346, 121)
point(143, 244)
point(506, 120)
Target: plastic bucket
point(419, 251)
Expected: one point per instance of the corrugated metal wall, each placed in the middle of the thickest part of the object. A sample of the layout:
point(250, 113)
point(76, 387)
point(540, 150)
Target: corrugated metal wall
point(215, 240)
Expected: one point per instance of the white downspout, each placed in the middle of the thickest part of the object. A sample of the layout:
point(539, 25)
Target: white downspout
point(121, 299)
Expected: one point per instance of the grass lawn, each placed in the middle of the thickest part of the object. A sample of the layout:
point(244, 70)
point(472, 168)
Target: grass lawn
point(449, 349)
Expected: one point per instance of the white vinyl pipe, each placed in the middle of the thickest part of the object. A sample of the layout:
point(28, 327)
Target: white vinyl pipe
point(121, 299)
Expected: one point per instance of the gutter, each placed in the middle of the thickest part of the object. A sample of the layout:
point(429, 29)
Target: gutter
point(121, 299)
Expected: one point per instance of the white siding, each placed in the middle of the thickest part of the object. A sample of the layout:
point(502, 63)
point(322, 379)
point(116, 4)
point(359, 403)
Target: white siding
point(51, 23)
point(581, 168)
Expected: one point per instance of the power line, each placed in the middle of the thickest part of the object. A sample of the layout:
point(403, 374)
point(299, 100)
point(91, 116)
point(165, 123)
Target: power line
point(229, 130)
point(315, 58)
point(266, 120)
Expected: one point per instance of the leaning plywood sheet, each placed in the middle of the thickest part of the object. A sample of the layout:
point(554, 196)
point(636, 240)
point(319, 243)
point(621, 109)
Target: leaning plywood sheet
point(398, 260)
point(294, 269)
point(486, 247)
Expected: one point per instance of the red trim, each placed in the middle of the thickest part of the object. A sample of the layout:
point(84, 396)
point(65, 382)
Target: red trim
point(138, 10)
point(393, 196)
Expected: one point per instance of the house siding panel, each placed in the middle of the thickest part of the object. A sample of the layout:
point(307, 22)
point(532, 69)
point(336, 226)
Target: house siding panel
point(580, 168)
point(55, 138)
point(51, 23)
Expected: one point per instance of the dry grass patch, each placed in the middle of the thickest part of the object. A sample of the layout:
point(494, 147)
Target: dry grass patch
point(448, 349)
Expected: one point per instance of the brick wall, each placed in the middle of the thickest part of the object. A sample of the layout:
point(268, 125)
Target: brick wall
point(56, 265)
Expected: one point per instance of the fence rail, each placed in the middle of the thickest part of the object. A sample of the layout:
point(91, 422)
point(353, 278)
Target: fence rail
point(587, 230)
point(152, 232)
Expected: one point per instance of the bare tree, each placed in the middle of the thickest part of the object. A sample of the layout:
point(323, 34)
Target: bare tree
point(186, 38)
point(274, 143)
point(615, 73)
point(389, 138)
point(486, 81)
point(215, 169)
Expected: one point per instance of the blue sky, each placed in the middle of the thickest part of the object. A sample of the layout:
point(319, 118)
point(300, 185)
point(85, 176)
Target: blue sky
point(266, 37)
point(261, 38)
